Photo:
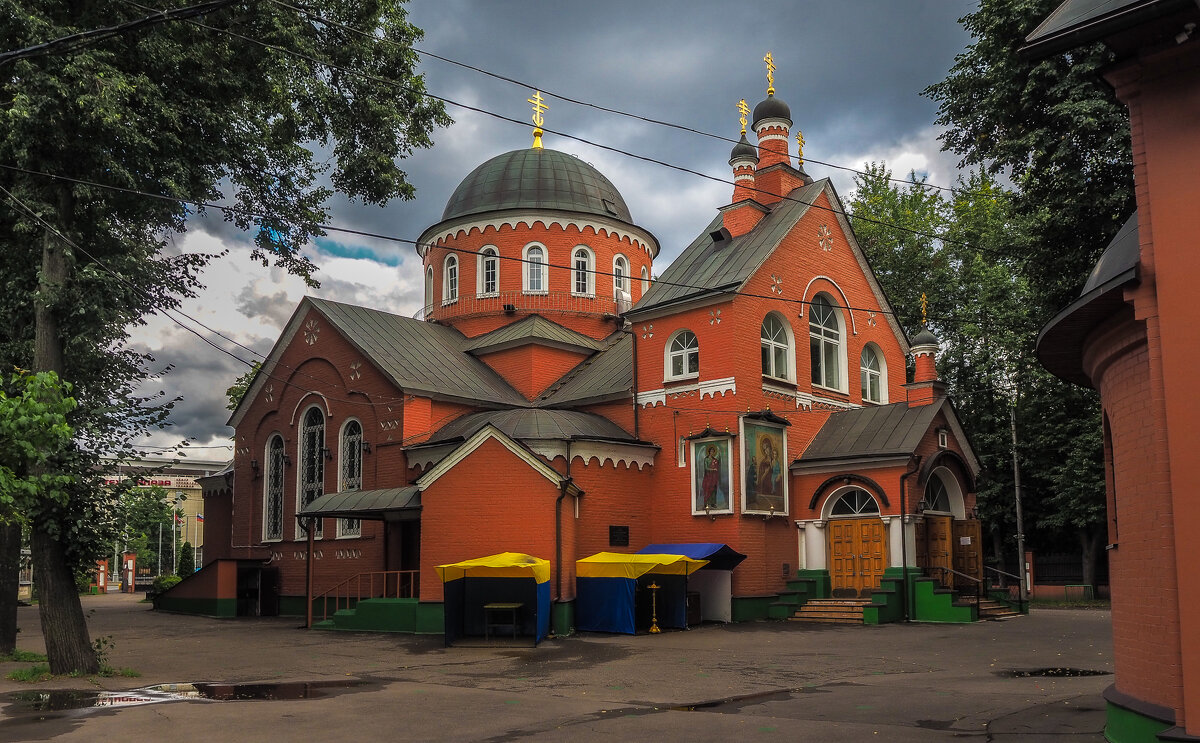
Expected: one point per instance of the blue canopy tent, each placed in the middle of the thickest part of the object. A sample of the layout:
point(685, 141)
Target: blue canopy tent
point(714, 582)
point(510, 589)
point(607, 586)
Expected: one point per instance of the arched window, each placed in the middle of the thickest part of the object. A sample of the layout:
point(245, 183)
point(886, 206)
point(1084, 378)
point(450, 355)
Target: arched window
point(620, 276)
point(854, 503)
point(428, 288)
point(312, 464)
point(825, 343)
point(450, 280)
point(535, 269)
point(645, 279)
point(273, 490)
point(873, 374)
point(937, 498)
point(776, 348)
point(583, 276)
point(683, 356)
point(488, 273)
point(350, 475)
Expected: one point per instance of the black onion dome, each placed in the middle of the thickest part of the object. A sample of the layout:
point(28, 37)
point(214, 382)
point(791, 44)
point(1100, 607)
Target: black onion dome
point(536, 179)
point(772, 108)
point(743, 149)
point(925, 338)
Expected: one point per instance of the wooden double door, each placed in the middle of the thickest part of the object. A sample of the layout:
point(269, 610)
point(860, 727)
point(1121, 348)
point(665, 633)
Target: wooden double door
point(943, 542)
point(857, 556)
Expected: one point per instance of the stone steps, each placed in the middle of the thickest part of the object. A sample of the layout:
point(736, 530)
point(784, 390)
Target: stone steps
point(834, 611)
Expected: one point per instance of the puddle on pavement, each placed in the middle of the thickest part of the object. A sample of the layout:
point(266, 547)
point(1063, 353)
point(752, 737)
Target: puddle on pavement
point(1052, 673)
point(58, 700)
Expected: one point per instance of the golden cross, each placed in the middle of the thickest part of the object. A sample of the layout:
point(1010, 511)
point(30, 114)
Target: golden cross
point(799, 148)
point(539, 107)
point(770, 73)
point(744, 109)
point(924, 305)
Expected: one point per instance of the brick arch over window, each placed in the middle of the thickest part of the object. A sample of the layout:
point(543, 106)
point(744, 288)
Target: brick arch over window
point(842, 300)
point(951, 460)
point(837, 481)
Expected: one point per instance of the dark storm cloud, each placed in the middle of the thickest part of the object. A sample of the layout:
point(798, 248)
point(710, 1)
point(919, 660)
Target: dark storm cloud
point(277, 307)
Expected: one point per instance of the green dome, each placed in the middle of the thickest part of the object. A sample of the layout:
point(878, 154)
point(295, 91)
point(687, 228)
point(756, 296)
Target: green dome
point(536, 179)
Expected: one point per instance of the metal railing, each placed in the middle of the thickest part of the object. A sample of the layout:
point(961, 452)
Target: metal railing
point(513, 301)
point(1010, 595)
point(384, 584)
point(964, 585)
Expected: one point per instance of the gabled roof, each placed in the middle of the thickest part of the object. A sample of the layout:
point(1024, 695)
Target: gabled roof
point(532, 329)
point(881, 432)
point(707, 267)
point(476, 440)
point(526, 423)
point(606, 375)
point(416, 356)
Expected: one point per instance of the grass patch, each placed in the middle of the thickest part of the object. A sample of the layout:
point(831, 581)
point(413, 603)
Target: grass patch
point(109, 671)
point(22, 656)
point(40, 672)
point(1070, 603)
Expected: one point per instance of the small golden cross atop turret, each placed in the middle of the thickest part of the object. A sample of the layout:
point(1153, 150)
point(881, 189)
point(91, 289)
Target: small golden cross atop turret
point(770, 73)
point(799, 148)
point(924, 306)
point(539, 107)
point(745, 111)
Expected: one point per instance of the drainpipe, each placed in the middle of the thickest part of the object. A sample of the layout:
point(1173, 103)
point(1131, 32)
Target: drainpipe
point(914, 465)
point(562, 493)
point(636, 431)
point(308, 579)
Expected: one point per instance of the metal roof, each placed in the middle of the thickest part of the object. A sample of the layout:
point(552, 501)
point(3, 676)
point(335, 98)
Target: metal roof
point(606, 375)
point(524, 424)
point(709, 267)
point(536, 179)
point(419, 356)
point(1079, 22)
point(365, 504)
point(873, 431)
point(532, 329)
point(1060, 343)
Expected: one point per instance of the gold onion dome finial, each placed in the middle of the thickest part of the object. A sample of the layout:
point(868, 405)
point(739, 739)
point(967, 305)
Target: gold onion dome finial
point(924, 310)
point(770, 60)
point(744, 110)
point(799, 147)
point(539, 107)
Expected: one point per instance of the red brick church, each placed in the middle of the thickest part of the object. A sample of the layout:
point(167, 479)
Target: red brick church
point(553, 398)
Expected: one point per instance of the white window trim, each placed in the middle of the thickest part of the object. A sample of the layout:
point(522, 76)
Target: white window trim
point(267, 485)
point(843, 373)
point(883, 374)
point(591, 272)
point(668, 357)
point(620, 284)
point(300, 535)
point(429, 287)
point(645, 279)
point(527, 264)
point(791, 348)
point(480, 273)
point(450, 290)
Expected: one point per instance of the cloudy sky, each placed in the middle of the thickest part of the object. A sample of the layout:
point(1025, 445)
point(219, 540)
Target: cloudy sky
point(852, 73)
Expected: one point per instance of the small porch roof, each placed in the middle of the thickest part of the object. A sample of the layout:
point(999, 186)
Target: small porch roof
point(388, 504)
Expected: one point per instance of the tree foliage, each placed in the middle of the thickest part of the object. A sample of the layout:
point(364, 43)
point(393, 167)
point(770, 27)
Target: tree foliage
point(266, 108)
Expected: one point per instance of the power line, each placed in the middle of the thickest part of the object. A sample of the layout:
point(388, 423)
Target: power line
point(645, 158)
point(466, 251)
point(588, 104)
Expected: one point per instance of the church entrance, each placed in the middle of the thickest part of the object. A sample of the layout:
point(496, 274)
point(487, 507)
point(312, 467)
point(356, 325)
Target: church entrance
point(857, 545)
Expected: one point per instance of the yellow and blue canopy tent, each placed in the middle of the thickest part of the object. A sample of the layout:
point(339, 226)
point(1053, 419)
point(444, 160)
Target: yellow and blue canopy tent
point(509, 578)
point(606, 589)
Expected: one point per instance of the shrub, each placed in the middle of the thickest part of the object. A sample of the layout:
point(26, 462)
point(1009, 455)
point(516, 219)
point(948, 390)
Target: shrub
point(187, 560)
point(164, 582)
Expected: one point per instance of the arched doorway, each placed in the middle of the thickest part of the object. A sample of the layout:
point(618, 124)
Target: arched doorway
point(857, 543)
point(946, 540)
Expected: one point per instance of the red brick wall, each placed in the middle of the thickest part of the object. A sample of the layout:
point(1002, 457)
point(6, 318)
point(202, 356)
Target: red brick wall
point(530, 369)
point(488, 503)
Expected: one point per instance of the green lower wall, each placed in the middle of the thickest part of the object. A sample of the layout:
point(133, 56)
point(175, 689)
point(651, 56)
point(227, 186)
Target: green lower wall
point(887, 604)
point(405, 616)
point(562, 618)
point(751, 608)
point(220, 608)
point(930, 605)
point(1124, 725)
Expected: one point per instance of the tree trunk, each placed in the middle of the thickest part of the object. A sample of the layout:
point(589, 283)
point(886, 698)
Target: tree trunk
point(63, 625)
point(10, 583)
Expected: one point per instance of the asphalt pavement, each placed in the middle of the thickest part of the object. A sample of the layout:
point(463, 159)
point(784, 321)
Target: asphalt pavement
point(1033, 678)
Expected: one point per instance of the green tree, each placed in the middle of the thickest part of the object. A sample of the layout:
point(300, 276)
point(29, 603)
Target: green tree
point(187, 560)
point(261, 105)
point(237, 390)
point(1058, 132)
